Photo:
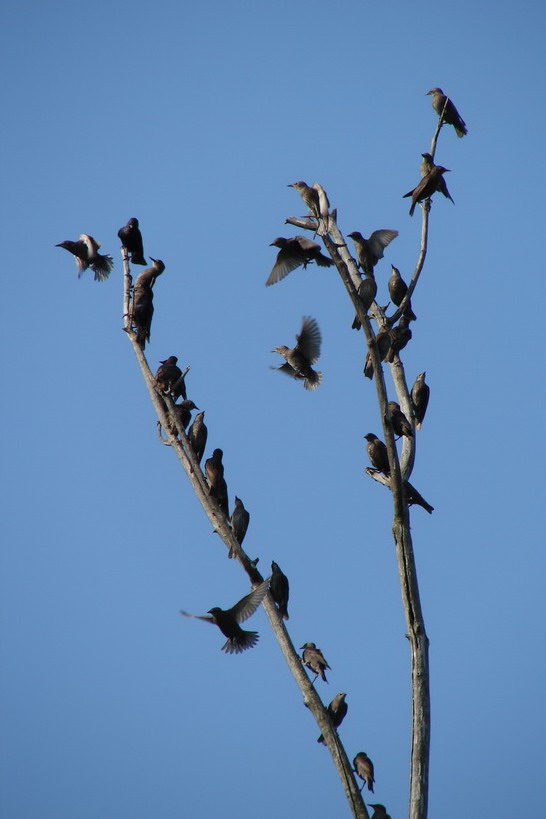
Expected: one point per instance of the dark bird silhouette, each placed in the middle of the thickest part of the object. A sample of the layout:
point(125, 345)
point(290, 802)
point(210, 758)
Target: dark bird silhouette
point(240, 518)
point(363, 767)
point(228, 620)
point(214, 470)
point(370, 250)
point(367, 291)
point(183, 411)
point(85, 250)
point(383, 341)
point(397, 290)
point(336, 711)
point(313, 659)
point(143, 297)
point(428, 185)
point(399, 337)
point(306, 352)
point(420, 393)
point(377, 453)
point(280, 589)
point(413, 498)
point(400, 423)
point(293, 253)
point(168, 375)
point(379, 812)
point(451, 115)
point(198, 436)
point(131, 239)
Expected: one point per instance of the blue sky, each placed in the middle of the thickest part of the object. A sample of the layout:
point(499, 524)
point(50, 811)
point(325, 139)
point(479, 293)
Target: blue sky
point(195, 119)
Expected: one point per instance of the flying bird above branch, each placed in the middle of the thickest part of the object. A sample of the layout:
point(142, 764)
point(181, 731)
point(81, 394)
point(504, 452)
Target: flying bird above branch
point(293, 253)
point(306, 352)
point(85, 250)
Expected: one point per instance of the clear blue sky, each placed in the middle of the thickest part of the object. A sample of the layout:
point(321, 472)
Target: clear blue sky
point(194, 119)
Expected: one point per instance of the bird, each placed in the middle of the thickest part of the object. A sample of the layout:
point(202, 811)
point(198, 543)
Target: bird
point(367, 291)
point(397, 290)
point(313, 659)
point(240, 518)
point(427, 164)
point(228, 620)
point(420, 393)
point(336, 711)
point(214, 470)
point(370, 250)
point(306, 352)
point(293, 253)
point(428, 185)
point(324, 209)
point(279, 588)
point(400, 423)
point(310, 197)
point(377, 453)
point(363, 767)
point(451, 115)
point(131, 239)
point(143, 297)
point(413, 498)
point(183, 411)
point(168, 375)
point(383, 341)
point(379, 812)
point(399, 337)
point(85, 250)
point(198, 436)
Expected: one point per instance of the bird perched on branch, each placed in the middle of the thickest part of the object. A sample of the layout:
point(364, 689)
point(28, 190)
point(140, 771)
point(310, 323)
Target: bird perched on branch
point(451, 115)
point(337, 711)
point(383, 341)
point(280, 589)
point(143, 297)
point(131, 239)
point(363, 767)
point(367, 291)
point(168, 375)
point(377, 453)
point(306, 352)
point(427, 164)
point(293, 253)
point(313, 659)
point(379, 812)
point(228, 620)
point(369, 251)
point(310, 197)
point(183, 411)
point(399, 337)
point(240, 518)
point(413, 498)
point(400, 423)
point(397, 290)
point(428, 185)
point(214, 470)
point(198, 436)
point(85, 249)
point(420, 394)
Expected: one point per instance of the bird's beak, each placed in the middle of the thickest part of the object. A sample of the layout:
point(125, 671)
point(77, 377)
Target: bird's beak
point(152, 258)
point(291, 185)
point(446, 170)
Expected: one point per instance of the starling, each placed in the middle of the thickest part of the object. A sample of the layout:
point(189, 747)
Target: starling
point(279, 588)
point(324, 209)
point(131, 239)
point(383, 341)
point(379, 812)
point(313, 659)
point(85, 249)
point(397, 290)
point(367, 291)
point(198, 436)
point(420, 393)
point(228, 620)
point(183, 411)
point(310, 197)
point(377, 453)
point(240, 519)
point(363, 767)
point(220, 492)
point(428, 185)
point(413, 498)
point(168, 374)
point(370, 250)
point(293, 253)
point(336, 711)
point(143, 297)
point(399, 337)
point(451, 115)
point(306, 352)
point(427, 164)
point(214, 470)
point(400, 423)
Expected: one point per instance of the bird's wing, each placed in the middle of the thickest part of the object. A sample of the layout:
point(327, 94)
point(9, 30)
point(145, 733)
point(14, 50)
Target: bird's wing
point(206, 617)
point(286, 369)
point(379, 241)
point(309, 339)
point(306, 244)
point(284, 265)
point(250, 602)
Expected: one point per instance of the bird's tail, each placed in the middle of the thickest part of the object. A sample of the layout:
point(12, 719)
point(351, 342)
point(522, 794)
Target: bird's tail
point(313, 380)
point(240, 642)
point(102, 266)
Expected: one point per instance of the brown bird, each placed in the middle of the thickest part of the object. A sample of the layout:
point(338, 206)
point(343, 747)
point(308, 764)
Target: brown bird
point(306, 352)
point(399, 337)
point(367, 291)
point(168, 376)
point(370, 250)
point(413, 497)
point(313, 659)
point(310, 197)
point(379, 812)
point(427, 164)
point(280, 589)
point(336, 711)
point(85, 250)
point(131, 239)
point(228, 620)
point(198, 436)
point(363, 767)
point(214, 470)
point(383, 341)
point(293, 253)
point(324, 209)
point(397, 290)
point(143, 297)
point(451, 115)
point(428, 185)
point(420, 393)
point(377, 453)
point(240, 518)
point(183, 411)
point(400, 423)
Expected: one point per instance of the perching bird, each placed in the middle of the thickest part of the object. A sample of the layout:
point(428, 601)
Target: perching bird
point(143, 297)
point(310, 197)
point(214, 470)
point(220, 492)
point(428, 185)
point(168, 375)
point(363, 767)
point(377, 453)
point(240, 518)
point(228, 620)
point(367, 291)
point(379, 812)
point(198, 436)
point(85, 250)
point(400, 423)
point(420, 393)
point(183, 411)
point(399, 337)
point(397, 290)
point(293, 253)
point(279, 588)
point(324, 209)
point(413, 498)
point(306, 352)
point(370, 250)
point(313, 659)
point(336, 711)
point(427, 164)
point(383, 341)
point(131, 239)
point(451, 115)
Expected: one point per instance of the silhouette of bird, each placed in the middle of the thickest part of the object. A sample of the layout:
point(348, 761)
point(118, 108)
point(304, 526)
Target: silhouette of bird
point(183, 411)
point(451, 115)
point(168, 375)
point(379, 812)
point(397, 290)
point(240, 518)
point(198, 436)
point(399, 337)
point(367, 291)
point(228, 620)
point(143, 297)
point(280, 589)
point(377, 453)
point(313, 659)
point(400, 423)
point(428, 185)
point(370, 250)
point(293, 253)
point(306, 352)
point(363, 767)
point(214, 470)
point(336, 711)
point(85, 250)
point(420, 393)
point(413, 498)
point(131, 239)
point(383, 341)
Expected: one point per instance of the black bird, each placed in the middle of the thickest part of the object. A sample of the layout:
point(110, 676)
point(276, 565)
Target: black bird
point(85, 249)
point(198, 436)
point(168, 375)
point(313, 659)
point(183, 411)
point(367, 291)
point(131, 239)
point(279, 588)
point(379, 812)
point(228, 620)
point(293, 253)
point(336, 711)
point(400, 423)
point(377, 453)
point(428, 185)
point(240, 518)
point(363, 767)
point(397, 290)
point(143, 297)
point(370, 250)
point(399, 337)
point(451, 115)
point(383, 341)
point(413, 498)
point(306, 352)
point(214, 470)
point(420, 393)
